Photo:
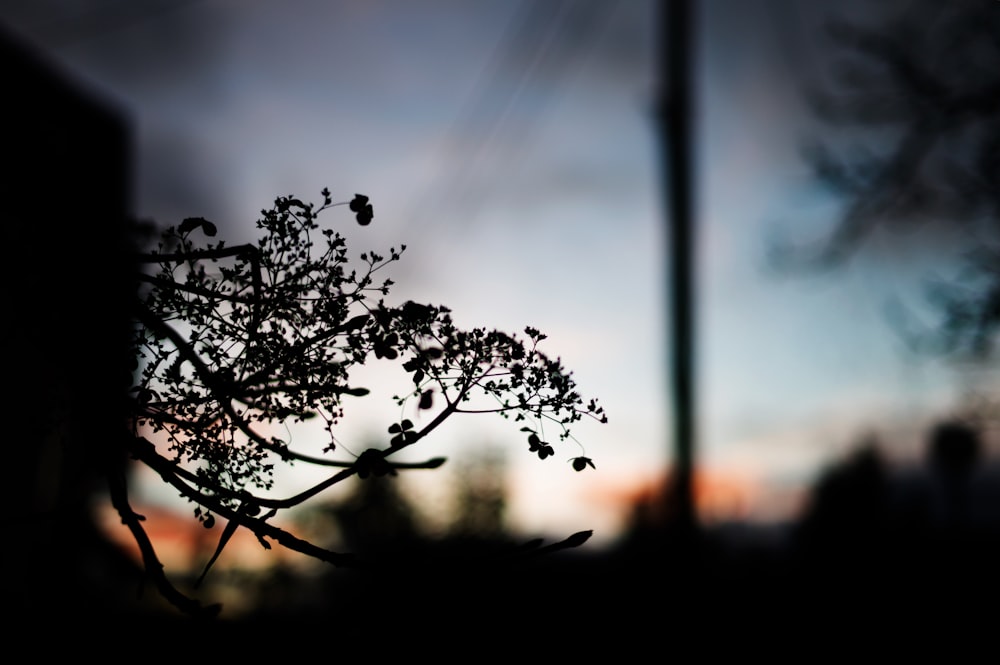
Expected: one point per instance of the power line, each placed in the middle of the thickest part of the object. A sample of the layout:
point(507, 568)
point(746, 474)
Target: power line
point(541, 41)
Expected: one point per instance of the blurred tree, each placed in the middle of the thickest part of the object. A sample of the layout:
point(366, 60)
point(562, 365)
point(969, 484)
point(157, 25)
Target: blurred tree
point(235, 343)
point(912, 104)
point(480, 498)
point(377, 519)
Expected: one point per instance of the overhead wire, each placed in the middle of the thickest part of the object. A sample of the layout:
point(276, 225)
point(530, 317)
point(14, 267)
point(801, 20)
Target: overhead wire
point(533, 56)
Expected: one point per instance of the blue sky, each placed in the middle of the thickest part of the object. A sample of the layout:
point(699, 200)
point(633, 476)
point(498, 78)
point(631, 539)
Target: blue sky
point(525, 183)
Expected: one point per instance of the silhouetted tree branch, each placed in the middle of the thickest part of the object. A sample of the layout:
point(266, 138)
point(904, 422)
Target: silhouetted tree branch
point(231, 341)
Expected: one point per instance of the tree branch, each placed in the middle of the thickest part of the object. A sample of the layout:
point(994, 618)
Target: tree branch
point(118, 492)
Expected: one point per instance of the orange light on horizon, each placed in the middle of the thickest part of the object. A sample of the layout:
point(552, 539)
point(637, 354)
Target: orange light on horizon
point(720, 495)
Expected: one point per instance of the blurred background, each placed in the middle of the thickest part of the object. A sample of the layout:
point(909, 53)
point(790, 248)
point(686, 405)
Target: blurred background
point(515, 149)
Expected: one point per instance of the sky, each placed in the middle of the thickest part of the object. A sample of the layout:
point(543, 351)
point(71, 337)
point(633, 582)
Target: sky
point(513, 148)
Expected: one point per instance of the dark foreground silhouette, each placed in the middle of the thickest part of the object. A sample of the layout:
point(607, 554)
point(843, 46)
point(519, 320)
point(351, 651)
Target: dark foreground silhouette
point(905, 553)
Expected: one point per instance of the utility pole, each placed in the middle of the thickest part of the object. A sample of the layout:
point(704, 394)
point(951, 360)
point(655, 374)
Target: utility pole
point(676, 124)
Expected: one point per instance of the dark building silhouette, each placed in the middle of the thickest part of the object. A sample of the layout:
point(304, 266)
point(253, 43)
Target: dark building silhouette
point(65, 194)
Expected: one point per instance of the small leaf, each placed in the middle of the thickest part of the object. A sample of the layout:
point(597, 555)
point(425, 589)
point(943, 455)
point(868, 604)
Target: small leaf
point(426, 400)
point(365, 216)
point(358, 202)
point(578, 538)
point(415, 312)
point(191, 223)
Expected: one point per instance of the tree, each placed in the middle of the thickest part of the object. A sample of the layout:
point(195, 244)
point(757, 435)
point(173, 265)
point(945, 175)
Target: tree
point(914, 106)
point(232, 341)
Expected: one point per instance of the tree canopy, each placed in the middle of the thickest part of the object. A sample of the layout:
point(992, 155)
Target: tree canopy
point(231, 343)
point(911, 102)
